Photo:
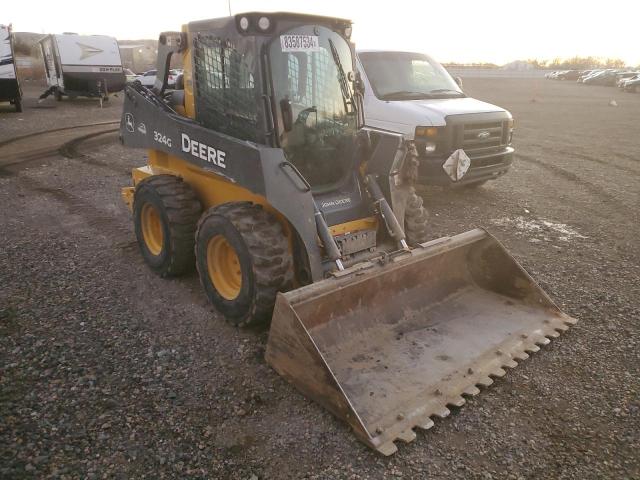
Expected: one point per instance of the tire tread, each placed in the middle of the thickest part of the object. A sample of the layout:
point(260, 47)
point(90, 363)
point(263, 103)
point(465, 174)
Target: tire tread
point(183, 209)
point(268, 247)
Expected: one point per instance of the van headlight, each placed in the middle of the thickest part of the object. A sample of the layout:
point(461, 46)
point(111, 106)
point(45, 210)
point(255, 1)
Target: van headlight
point(426, 139)
point(429, 147)
point(426, 132)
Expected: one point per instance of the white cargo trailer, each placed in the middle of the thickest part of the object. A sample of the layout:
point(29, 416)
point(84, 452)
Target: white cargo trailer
point(82, 65)
point(9, 86)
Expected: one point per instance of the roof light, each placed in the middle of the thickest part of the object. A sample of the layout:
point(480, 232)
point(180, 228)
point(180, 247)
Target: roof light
point(264, 23)
point(244, 23)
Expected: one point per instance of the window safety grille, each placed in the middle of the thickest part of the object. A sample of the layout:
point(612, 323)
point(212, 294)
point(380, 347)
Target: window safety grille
point(226, 100)
point(320, 87)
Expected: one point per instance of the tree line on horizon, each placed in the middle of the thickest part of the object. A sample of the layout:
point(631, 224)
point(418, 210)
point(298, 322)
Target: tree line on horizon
point(577, 63)
point(574, 63)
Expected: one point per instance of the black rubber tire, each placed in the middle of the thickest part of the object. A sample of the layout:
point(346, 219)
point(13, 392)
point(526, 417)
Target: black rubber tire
point(416, 219)
point(18, 104)
point(263, 253)
point(179, 210)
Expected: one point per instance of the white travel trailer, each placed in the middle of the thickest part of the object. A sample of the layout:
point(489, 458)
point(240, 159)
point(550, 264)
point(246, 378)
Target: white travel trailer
point(9, 86)
point(82, 65)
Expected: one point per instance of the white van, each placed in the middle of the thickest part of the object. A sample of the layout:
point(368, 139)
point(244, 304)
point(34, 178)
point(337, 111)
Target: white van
point(412, 94)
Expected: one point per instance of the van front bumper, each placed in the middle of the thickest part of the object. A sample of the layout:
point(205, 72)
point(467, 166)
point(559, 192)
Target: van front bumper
point(483, 167)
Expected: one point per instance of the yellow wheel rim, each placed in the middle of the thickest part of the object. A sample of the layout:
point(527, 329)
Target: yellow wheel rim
point(223, 266)
point(152, 231)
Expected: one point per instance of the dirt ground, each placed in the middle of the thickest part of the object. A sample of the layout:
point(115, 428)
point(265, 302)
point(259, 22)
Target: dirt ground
point(107, 371)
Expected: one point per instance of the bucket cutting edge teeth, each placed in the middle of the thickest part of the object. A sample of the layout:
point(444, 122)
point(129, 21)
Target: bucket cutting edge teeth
point(425, 424)
point(520, 355)
point(407, 435)
point(508, 357)
point(456, 402)
point(484, 382)
point(442, 413)
point(471, 391)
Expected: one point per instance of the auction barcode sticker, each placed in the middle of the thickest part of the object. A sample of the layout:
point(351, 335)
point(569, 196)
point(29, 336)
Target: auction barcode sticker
point(299, 43)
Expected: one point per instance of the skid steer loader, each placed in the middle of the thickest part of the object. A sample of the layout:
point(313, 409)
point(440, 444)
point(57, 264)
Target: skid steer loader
point(258, 175)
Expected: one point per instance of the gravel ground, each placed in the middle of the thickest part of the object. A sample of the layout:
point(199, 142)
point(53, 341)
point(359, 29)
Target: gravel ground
point(109, 371)
point(50, 114)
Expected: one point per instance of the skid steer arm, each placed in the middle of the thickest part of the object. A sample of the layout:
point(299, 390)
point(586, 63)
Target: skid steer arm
point(387, 164)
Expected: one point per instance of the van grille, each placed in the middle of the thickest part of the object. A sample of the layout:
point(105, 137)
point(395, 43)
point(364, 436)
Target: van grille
point(478, 138)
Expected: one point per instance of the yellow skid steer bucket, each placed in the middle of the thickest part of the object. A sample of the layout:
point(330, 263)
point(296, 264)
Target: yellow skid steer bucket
point(388, 347)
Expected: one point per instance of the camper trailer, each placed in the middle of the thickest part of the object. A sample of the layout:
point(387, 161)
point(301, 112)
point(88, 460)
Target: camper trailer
point(9, 86)
point(82, 66)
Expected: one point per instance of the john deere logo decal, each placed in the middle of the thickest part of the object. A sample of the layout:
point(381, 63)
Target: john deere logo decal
point(88, 51)
point(129, 122)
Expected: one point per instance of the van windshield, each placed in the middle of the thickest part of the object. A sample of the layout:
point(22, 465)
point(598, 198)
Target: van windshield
point(407, 76)
point(309, 68)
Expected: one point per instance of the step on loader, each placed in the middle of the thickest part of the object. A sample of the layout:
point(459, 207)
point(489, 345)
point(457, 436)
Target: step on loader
point(260, 176)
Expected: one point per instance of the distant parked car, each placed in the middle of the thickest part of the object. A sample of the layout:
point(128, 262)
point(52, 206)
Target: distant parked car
point(606, 78)
point(569, 75)
point(633, 85)
point(622, 77)
point(584, 73)
point(588, 74)
point(622, 83)
point(148, 78)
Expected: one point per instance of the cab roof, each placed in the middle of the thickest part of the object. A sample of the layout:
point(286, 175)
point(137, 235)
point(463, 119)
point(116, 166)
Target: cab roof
point(230, 24)
point(232, 21)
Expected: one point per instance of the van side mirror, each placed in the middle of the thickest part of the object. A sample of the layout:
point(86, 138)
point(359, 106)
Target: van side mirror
point(287, 114)
point(458, 80)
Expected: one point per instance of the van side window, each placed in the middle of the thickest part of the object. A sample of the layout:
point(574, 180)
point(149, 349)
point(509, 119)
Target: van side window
point(226, 99)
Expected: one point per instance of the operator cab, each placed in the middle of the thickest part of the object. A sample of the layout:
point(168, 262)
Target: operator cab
point(285, 80)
